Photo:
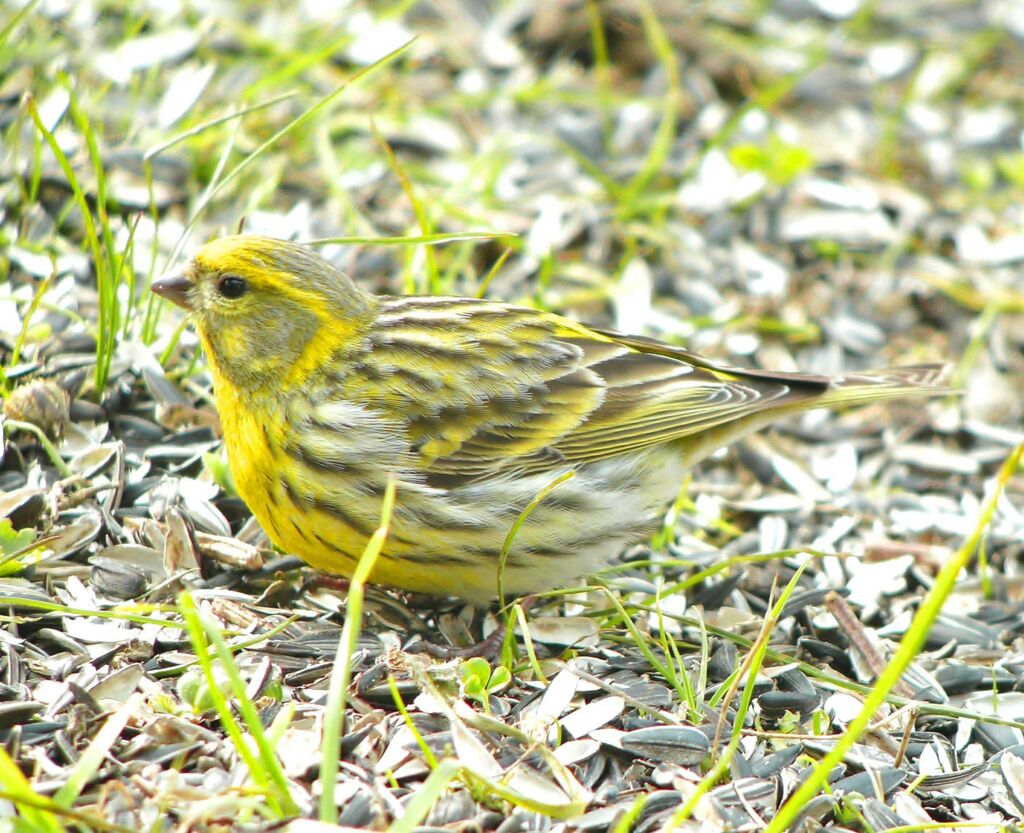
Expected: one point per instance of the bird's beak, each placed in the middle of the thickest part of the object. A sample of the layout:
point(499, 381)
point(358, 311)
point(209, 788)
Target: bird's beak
point(174, 287)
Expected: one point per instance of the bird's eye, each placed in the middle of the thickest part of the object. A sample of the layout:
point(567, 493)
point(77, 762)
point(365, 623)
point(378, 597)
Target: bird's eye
point(232, 287)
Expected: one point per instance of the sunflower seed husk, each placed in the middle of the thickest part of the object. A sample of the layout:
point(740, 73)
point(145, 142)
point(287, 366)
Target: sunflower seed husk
point(681, 745)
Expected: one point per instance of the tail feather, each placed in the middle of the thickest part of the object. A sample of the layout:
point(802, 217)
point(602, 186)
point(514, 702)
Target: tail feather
point(892, 383)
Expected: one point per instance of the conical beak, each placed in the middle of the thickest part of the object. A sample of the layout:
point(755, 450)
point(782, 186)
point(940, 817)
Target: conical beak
point(174, 287)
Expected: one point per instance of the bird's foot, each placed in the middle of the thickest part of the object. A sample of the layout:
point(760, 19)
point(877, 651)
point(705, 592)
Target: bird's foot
point(489, 647)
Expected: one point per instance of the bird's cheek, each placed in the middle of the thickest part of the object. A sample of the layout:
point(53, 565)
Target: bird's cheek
point(233, 344)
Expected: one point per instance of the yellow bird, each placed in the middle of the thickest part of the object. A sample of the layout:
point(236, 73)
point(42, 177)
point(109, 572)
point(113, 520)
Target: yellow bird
point(324, 390)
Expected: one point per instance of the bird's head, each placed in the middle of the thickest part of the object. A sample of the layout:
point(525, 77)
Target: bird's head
point(267, 311)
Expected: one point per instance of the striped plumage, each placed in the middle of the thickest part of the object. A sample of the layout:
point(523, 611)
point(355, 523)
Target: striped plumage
point(324, 389)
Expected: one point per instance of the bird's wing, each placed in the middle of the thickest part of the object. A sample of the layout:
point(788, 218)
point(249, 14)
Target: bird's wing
point(658, 393)
point(486, 387)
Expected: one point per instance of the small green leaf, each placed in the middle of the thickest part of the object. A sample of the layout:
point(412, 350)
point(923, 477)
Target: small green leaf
point(779, 161)
point(476, 669)
point(749, 157)
point(163, 704)
point(1011, 166)
point(978, 174)
point(220, 471)
point(194, 689)
point(501, 676)
point(12, 540)
point(476, 677)
point(828, 249)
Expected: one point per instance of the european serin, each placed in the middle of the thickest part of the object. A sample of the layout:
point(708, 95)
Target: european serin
point(324, 390)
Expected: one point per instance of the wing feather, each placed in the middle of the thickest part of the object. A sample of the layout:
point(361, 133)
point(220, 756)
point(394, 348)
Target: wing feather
point(486, 388)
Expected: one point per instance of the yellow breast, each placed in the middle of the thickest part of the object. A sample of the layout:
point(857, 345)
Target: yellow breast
point(322, 519)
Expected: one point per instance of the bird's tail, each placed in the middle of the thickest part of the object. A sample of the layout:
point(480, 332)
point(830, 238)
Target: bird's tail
point(892, 383)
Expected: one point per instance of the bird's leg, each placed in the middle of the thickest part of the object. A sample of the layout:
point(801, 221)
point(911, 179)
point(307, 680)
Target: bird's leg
point(324, 581)
point(489, 647)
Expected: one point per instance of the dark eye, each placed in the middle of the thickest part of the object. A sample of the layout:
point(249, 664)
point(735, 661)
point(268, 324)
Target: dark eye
point(232, 287)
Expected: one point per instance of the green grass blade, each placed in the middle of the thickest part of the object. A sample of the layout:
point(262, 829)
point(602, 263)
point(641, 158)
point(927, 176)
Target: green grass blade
point(423, 220)
point(299, 63)
point(665, 134)
point(432, 239)
point(92, 236)
point(264, 767)
point(178, 138)
point(296, 123)
point(341, 674)
point(506, 546)
point(20, 792)
point(15, 20)
point(88, 764)
point(426, 795)
point(750, 667)
point(396, 696)
point(911, 644)
point(33, 307)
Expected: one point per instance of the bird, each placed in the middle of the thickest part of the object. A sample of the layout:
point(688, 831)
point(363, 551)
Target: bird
point(473, 408)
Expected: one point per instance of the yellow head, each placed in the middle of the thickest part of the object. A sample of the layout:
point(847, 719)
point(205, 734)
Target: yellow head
point(259, 305)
